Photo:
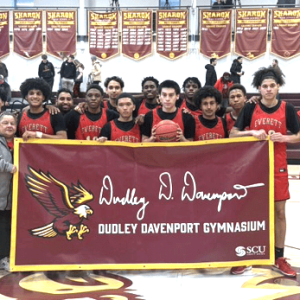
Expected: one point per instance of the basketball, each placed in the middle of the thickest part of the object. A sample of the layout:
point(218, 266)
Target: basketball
point(166, 131)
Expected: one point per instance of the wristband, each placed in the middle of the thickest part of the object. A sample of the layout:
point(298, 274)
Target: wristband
point(38, 134)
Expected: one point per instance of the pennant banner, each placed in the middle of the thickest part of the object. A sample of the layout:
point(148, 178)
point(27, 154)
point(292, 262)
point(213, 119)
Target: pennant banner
point(215, 33)
point(251, 32)
point(28, 36)
point(137, 33)
point(172, 33)
point(285, 32)
point(61, 29)
point(135, 206)
point(4, 33)
point(104, 34)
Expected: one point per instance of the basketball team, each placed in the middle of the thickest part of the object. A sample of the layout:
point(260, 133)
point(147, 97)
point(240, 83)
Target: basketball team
point(163, 113)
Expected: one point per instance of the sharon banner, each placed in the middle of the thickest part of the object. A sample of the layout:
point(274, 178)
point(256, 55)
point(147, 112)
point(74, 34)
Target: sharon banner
point(83, 205)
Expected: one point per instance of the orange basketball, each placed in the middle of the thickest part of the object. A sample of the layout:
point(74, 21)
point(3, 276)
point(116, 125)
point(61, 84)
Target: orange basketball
point(166, 131)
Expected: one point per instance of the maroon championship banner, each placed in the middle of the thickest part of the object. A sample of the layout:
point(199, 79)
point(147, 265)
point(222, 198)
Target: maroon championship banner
point(285, 32)
point(135, 206)
point(61, 27)
point(104, 34)
point(251, 32)
point(215, 33)
point(172, 33)
point(28, 36)
point(137, 34)
point(4, 33)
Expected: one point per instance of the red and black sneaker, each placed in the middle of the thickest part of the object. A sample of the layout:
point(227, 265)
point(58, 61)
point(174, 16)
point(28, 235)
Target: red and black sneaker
point(282, 266)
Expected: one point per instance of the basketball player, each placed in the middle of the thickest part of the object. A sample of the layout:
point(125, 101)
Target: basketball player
point(114, 87)
point(169, 92)
point(150, 91)
point(36, 122)
point(237, 100)
point(208, 125)
point(87, 126)
point(123, 129)
point(190, 87)
point(272, 117)
point(64, 101)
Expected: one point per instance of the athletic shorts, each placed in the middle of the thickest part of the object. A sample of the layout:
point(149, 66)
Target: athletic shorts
point(281, 186)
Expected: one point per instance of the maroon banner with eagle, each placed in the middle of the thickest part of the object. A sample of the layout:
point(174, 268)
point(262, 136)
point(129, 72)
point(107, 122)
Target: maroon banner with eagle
point(4, 33)
point(285, 32)
point(172, 33)
point(28, 36)
point(137, 34)
point(251, 32)
point(104, 34)
point(86, 205)
point(215, 33)
point(61, 27)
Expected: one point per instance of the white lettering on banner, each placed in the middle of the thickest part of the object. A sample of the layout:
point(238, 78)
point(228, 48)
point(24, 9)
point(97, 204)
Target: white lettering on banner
point(127, 228)
point(228, 227)
point(189, 180)
point(129, 198)
point(167, 185)
point(167, 228)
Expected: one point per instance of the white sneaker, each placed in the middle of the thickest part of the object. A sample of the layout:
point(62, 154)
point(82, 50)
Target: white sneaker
point(4, 264)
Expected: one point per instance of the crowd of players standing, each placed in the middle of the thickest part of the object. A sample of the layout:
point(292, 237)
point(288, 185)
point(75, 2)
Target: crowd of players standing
point(118, 116)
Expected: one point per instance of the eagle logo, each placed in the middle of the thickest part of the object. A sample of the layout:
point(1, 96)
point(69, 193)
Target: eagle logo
point(66, 204)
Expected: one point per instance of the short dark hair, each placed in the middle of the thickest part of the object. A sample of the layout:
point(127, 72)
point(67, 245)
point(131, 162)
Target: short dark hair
point(170, 84)
point(114, 78)
point(64, 90)
point(126, 95)
point(44, 56)
point(267, 73)
point(35, 84)
point(207, 91)
point(237, 86)
point(194, 80)
point(212, 60)
point(150, 78)
point(3, 95)
point(95, 86)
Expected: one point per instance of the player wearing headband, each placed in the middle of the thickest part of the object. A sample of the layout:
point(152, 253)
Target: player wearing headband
point(272, 117)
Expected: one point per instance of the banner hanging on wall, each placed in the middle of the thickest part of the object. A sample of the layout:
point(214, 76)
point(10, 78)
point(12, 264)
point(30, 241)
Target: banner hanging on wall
point(137, 34)
point(104, 34)
point(4, 33)
point(106, 214)
point(251, 32)
point(172, 33)
point(215, 33)
point(27, 33)
point(285, 32)
point(61, 27)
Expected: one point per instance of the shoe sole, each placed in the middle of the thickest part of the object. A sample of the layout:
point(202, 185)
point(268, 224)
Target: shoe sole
point(283, 273)
point(242, 272)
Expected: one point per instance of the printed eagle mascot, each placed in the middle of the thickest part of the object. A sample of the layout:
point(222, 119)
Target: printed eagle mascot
point(66, 204)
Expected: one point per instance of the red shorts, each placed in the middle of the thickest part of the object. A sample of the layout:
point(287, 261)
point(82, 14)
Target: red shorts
point(281, 186)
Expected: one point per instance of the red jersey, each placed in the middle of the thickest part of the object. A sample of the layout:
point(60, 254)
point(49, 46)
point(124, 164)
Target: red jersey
point(273, 122)
point(88, 129)
point(42, 124)
point(105, 104)
point(194, 113)
point(177, 119)
point(143, 109)
point(204, 133)
point(131, 136)
point(230, 121)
